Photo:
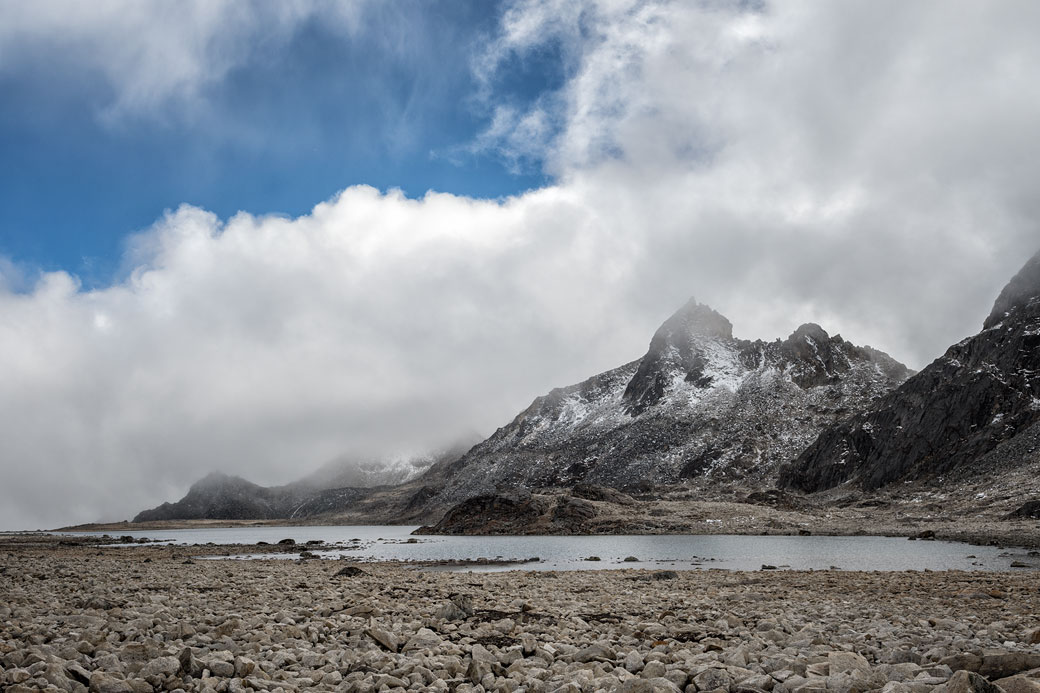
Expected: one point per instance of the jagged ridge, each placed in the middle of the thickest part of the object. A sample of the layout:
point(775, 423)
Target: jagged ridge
point(982, 393)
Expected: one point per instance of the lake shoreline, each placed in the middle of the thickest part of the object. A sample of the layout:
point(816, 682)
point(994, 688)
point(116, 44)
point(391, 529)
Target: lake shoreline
point(1020, 535)
point(395, 544)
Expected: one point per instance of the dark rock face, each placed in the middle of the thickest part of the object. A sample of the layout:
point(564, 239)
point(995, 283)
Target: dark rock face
point(964, 409)
point(700, 403)
point(1029, 509)
point(1021, 291)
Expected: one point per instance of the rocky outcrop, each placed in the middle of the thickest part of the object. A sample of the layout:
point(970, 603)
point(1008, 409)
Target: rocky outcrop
point(701, 403)
point(961, 415)
point(517, 512)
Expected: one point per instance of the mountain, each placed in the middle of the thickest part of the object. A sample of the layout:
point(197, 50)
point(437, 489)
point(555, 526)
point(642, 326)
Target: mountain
point(969, 412)
point(337, 486)
point(219, 496)
point(699, 404)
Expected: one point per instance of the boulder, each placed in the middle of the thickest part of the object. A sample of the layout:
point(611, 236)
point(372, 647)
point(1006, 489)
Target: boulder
point(964, 661)
point(967, 682)
point(596, 652)
point(1018, 684)
point(998, 665)
point(424, 639)
point(102, 682)
point(384, 639)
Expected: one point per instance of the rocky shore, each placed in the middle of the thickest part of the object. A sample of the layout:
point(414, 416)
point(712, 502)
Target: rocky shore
point(79, 617)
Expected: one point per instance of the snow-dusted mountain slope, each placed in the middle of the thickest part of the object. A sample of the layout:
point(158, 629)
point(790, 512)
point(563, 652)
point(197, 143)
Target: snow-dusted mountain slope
point(348, 471)
point(959, 416)
point(699, 403)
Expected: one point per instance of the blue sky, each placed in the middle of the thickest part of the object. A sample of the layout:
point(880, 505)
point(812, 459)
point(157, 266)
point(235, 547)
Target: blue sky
point(206, 265)
point(394, 105)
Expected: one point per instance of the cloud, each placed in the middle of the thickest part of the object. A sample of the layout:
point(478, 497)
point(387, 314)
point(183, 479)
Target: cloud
point(156, 55)
point(870, 166)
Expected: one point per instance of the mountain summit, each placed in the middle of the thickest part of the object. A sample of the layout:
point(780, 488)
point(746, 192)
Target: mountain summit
point(1021, 291)
point(699, 403)
point(958, 415)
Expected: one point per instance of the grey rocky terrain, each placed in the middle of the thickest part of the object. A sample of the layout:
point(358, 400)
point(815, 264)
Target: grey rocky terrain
point(142, 619)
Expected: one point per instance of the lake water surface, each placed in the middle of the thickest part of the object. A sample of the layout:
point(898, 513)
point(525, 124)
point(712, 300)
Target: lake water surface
point(675, 552)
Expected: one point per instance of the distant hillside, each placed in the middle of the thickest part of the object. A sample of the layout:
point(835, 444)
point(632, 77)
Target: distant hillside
point(336, 487)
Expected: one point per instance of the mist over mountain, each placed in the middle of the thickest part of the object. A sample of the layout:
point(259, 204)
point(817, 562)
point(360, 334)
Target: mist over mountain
point(332, 487)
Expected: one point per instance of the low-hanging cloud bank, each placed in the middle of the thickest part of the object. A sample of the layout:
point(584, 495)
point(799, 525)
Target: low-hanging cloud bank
point(870, 166)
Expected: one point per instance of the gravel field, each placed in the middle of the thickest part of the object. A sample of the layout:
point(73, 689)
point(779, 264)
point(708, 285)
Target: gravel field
point(78, 617)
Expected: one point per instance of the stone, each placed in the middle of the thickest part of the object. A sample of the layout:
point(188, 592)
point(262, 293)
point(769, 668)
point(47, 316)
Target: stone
point(711, 679)
point(967, 682)
point(384, 639)
point(758, 682)
point(479, 653)
point(77, 673)
point(189, 665)
point(101, 682)
point(964, 660)
point(655, 685)
point(449, 611)
point(160, 667)
point(219, 667)
point(998, 665)
point(1018, 684)
point(424, 639)
point(654, 669)
point(478, 670)
point(595, 653)
point(846, 662)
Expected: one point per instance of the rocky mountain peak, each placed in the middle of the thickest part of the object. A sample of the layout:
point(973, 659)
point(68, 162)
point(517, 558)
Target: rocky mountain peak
point(214, 481)
point(1023, 288)
point(694, 319)
point(809, 330)
point(677, 347)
